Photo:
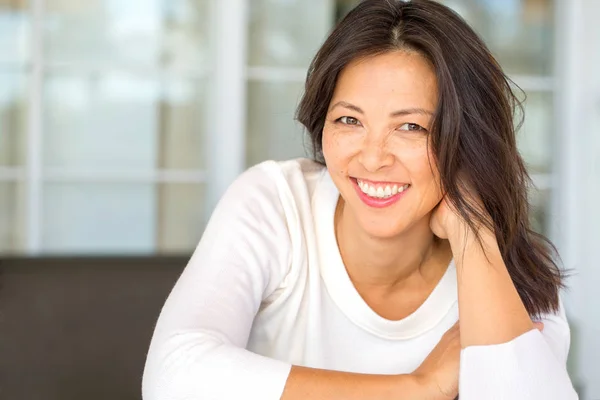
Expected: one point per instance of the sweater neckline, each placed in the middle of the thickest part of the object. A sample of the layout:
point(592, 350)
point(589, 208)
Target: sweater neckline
point(342, 291)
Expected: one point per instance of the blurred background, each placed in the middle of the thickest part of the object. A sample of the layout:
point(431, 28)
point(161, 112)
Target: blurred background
point(123, 121)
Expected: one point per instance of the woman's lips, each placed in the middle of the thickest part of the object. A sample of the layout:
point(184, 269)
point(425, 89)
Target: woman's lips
point(379, 194)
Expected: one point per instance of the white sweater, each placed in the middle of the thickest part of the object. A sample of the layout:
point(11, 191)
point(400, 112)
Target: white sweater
point(266, 289)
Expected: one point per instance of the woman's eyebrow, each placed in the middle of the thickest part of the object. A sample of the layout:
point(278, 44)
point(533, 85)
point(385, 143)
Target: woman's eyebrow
point(346, 105)
point(399, 113)
point(409, 111)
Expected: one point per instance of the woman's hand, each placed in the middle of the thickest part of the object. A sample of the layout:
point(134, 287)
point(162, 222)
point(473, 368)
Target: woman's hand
point(439, 372)
point(444, 219)
point(447, 223)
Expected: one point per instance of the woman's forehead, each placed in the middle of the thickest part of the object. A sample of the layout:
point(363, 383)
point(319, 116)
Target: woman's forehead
point(394, 77)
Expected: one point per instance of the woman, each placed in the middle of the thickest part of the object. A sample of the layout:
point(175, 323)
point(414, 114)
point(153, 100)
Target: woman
point(344, 277)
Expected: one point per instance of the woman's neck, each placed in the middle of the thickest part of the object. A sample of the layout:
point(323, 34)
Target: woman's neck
point(416, 257)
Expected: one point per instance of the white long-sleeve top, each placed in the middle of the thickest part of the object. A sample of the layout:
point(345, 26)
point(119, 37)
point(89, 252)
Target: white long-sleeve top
point(266, 289)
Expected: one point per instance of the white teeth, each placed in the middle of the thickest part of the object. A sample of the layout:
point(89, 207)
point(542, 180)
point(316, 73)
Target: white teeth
point(380, 192)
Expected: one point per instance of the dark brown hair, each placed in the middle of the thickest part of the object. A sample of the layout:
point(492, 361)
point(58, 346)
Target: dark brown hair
point(473, 133)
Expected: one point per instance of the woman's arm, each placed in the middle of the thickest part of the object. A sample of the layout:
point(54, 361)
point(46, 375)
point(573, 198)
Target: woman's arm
point(435, 379)
point(309, 383)
point(503, 355)
point(532, 366)
point(491, 311)
point(197, 350)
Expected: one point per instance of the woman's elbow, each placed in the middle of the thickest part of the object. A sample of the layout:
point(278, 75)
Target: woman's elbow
point(179, 369)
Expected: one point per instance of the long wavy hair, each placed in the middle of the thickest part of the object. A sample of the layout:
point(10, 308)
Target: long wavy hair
point(473, 132)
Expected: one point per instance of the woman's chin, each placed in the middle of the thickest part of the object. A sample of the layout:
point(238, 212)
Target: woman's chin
point(382, 230)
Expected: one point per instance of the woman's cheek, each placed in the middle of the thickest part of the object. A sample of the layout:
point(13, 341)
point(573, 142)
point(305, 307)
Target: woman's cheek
point(415, 159)
point(338, 144)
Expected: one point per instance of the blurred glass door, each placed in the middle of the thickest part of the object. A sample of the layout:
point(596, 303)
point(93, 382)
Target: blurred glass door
point(106, 109)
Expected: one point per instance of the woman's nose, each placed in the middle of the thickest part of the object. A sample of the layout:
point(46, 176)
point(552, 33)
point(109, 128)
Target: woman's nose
point(375, 155)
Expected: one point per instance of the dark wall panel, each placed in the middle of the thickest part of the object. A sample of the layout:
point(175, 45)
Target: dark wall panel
point(73, 329)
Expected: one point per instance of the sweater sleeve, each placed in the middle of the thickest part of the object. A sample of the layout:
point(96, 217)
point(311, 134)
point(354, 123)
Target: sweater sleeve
point(532, 366)
point(198, 347)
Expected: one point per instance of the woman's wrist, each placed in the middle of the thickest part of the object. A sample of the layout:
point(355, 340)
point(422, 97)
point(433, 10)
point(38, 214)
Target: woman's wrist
point(413, 386)
point(460, 235)
point(463, 238)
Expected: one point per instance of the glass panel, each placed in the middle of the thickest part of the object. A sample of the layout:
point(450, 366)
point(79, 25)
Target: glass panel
point(536, 137)
point(272, 131)
point(118, 120)
point(540, 210)
point(98, 218)
point(13, 118)
point(122, 217)
point(137, 32)
point(180, 217)
point(183, 122)
point(187, 33)
point(287, 32)
point(12, 217)
point(519, 32)
point(14, 31)
point(101, 121)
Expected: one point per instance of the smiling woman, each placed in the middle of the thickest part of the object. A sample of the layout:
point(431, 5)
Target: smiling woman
point(344, 276)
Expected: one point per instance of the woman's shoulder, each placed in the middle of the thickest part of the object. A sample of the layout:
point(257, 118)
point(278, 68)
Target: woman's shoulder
point(287, 180)
point(273, 202)
point(303, 169)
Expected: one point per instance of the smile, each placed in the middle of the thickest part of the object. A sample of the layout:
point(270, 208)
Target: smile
point(381, 191)
point(379, 194)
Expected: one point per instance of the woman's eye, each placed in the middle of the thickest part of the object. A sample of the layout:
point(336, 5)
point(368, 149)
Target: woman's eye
point(411, 127)
point(349, 121)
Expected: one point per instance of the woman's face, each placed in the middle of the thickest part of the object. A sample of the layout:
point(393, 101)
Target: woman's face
point(376, 142)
